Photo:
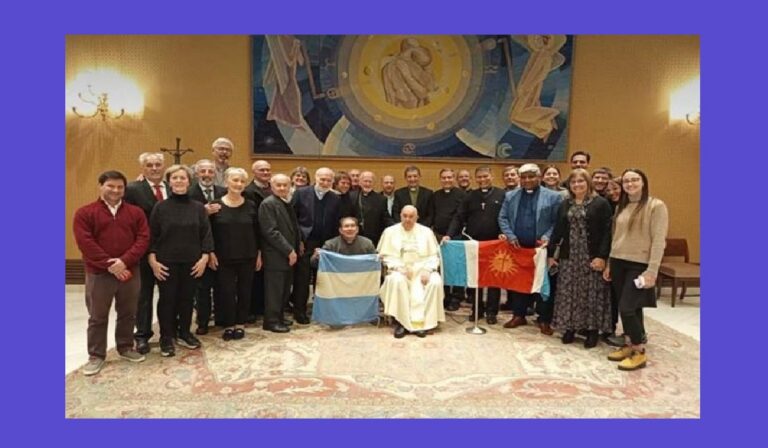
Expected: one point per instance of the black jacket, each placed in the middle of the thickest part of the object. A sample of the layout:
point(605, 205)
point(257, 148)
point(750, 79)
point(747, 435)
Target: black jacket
point(599, 217)
point(196, 192)
point(374, 216)
point(423, 204)
point(279, 232)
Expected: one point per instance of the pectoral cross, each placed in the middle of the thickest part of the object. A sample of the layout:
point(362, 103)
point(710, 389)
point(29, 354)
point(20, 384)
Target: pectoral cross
point(482, 206)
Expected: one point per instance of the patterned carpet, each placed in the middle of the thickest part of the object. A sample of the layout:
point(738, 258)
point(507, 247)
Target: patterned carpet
point(363, 372)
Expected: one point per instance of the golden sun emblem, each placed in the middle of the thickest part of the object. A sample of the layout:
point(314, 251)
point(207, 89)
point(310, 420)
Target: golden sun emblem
point(503, 263)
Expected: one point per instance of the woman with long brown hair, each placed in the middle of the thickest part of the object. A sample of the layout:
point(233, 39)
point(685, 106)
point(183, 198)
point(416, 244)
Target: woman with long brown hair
point(637, 247)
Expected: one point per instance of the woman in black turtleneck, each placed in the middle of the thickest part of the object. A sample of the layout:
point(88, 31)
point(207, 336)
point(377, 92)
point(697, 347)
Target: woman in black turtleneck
point(180, 243)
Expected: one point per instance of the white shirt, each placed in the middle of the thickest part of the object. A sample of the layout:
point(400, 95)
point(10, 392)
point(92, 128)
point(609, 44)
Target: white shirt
point(163, 189)
point(114, 209)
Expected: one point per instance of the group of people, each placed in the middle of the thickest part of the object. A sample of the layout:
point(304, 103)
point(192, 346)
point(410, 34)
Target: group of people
point(217, 242)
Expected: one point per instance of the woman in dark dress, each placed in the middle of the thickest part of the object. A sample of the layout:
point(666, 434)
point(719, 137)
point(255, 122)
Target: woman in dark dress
point(180, 243)
point(583, 234)
point(236, 236)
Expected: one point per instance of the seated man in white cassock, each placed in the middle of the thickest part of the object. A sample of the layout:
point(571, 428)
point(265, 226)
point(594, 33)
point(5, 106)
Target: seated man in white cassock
point(413, 289)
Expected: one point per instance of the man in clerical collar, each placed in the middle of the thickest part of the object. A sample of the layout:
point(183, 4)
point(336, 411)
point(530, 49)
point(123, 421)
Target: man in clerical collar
point(478, 215)
point(354, 178)
point(527, 219)
point(388, 191)
point(446, 202)
point(464, 179)
point(370, 208)
point(222, 149)
point(414, 194)
point(511, 177)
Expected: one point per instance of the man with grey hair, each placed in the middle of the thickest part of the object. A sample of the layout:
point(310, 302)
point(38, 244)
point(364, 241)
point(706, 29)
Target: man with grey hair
point(257, 191)
point(527, 218)
point(280, 251)
point(318, 210)
point(205, 191)
point(146, 193)
point(222, 149)
point(370, 208)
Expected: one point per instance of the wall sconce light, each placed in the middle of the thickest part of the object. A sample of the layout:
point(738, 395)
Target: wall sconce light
point(103, 93)
point(693, 117)
point(101, 101)
point(684, 103)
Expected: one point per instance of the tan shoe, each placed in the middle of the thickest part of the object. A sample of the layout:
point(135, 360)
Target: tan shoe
point(620, 354)
point(635, 361)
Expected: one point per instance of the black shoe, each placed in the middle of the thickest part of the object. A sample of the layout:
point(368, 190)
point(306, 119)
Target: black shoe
point(142, 346)
point(400, 332)
point(421, 334)
point(167, 348)
point(239, 333)
point(188, 341)
point(569, 336)
point(592, 337)
point(277, 328)
point(301, 319)
point(228, 334)
point(287, 322)
point(491, 319)
point(530, 311)
point(453, 305)
point(201, 331)
point(251, 319)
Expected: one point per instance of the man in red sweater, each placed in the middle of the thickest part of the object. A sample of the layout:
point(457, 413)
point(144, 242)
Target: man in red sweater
point(112, 236)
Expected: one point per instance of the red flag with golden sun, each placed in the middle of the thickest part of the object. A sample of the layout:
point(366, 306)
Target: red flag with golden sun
point(506, 267)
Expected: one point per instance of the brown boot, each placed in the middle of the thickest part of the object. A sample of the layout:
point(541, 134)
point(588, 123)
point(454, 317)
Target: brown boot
point(546, 329)
point(515, 322)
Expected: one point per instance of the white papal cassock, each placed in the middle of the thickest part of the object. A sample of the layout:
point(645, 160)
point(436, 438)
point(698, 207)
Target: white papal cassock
point(415, 305)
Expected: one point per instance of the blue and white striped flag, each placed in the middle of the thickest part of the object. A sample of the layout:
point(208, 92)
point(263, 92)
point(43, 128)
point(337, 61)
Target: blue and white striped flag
point(347, 290)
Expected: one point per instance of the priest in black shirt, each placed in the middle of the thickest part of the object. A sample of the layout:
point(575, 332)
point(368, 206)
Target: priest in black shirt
point(445, 204)
point(370, 208)
point(478, 215)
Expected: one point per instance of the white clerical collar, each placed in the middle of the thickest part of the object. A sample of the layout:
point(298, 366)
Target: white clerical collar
point(259, 184)
point(320, 193)
point(286, 200)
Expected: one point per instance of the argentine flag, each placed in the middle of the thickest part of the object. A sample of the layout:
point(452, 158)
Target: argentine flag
point(347, 290)
point(495, 264)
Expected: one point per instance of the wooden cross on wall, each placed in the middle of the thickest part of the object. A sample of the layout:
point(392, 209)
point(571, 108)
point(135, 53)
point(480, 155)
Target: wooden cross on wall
point(178, 152)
